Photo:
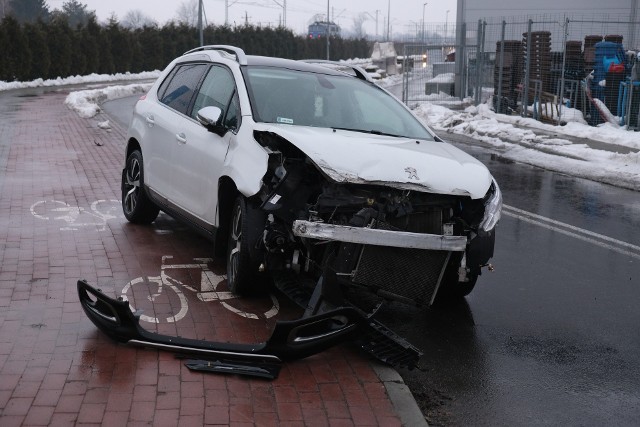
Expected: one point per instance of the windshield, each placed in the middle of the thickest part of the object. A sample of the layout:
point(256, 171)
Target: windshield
point(341, 102)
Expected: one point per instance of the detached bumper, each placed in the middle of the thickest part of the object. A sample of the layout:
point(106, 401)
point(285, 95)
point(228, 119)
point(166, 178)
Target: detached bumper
point(378, 237)
point(290, 339)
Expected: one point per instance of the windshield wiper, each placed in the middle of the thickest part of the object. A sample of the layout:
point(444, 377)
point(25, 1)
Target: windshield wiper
point(372, 131)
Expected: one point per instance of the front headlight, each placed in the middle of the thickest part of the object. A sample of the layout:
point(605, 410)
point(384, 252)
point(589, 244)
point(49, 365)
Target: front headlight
point(492, 208)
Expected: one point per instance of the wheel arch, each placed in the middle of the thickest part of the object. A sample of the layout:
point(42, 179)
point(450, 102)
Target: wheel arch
point(132, 145)
point(227, 193)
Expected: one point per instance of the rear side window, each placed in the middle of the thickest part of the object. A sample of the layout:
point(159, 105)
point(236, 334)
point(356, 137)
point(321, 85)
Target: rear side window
point(178, 89)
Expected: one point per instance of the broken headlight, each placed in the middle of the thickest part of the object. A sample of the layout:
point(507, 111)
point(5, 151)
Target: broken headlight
point(492, 207)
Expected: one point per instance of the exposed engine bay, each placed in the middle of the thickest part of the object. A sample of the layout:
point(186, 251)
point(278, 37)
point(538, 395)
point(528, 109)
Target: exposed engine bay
point(395, 243)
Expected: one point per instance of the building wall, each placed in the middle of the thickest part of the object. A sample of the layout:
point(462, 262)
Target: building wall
point(470, 11)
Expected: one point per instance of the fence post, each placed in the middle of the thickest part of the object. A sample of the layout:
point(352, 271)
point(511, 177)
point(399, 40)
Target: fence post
point(484, 32)
point(564, 64)
point(501, 68)
point(461, 55)
point(477, 79)
point(525, 93)
point(405, 75)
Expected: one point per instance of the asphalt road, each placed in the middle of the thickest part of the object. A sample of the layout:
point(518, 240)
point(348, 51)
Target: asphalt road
point(550, 337)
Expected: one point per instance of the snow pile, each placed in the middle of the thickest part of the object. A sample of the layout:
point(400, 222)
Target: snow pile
point(443, 78)
point(518, 143)
point(86, 102)
point(91, 78)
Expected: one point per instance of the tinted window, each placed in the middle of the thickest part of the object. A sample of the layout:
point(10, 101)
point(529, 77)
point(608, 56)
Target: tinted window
point(181, 86)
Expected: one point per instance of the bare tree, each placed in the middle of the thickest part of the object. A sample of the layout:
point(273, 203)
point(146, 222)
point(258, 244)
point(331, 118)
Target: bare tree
point(4, 8)
point(137, 19)
point(358, 25)
point(187, 13)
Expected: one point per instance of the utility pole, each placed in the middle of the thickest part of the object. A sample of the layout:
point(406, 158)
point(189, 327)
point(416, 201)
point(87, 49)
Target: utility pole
point(327, 30)
point(226, 10)
point(200, 23)
point(424, 6)
point(283, 5)
point(389, 20)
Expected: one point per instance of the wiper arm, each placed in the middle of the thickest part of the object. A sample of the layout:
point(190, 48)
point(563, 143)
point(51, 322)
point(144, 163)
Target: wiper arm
point(372, 131)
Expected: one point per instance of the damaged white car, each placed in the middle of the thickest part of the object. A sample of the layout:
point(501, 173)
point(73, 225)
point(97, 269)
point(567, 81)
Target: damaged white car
point(307, 174)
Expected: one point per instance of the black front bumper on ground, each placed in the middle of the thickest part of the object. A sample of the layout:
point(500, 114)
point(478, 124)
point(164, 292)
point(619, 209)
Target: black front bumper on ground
point(291, 339)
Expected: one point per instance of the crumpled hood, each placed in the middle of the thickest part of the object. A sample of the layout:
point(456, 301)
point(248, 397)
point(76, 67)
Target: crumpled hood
point(354, 157)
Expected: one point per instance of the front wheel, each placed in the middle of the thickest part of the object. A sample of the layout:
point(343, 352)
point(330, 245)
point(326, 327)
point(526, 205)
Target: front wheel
point(136, 205)
point(243, 255)
point(451, 288)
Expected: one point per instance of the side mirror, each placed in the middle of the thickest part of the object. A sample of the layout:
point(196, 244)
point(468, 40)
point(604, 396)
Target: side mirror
point(210, 118)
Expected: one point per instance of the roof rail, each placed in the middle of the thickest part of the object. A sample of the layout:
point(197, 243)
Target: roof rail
point(360, 73)
point(239, 53)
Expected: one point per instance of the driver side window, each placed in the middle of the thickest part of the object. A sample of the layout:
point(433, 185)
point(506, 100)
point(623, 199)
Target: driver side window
point(217, 90)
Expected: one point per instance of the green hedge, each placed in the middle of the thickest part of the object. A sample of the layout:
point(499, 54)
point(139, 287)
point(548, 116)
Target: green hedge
point(53, 49)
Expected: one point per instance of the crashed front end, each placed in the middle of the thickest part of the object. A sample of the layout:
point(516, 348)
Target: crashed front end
point(392, 242)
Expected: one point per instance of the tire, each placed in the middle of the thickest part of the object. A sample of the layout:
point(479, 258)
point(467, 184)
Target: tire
point(136, 205)
point(452, 289)
point(243, 258)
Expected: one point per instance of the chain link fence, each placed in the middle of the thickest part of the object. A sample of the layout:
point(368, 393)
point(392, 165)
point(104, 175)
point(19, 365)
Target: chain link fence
point(555, 69)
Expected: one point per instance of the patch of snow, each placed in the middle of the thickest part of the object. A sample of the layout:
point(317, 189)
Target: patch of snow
point(87, 102)
point(91, 78)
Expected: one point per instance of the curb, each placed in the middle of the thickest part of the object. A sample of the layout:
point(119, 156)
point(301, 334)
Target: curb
point(400, 396)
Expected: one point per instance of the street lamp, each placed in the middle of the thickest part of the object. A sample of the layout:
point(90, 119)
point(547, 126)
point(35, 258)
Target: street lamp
point(446, 26)
point(423, 7)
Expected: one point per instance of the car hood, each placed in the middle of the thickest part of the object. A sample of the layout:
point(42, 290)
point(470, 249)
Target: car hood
point(404, 163)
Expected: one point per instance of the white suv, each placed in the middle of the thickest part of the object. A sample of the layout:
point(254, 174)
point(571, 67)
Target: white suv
point(308, 172)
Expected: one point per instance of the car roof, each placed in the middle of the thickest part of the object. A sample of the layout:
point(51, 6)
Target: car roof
point(314, 66)
point(266, 61)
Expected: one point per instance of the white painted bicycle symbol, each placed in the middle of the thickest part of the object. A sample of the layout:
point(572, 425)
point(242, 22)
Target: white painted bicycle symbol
point(74, 217)
point(175, 309)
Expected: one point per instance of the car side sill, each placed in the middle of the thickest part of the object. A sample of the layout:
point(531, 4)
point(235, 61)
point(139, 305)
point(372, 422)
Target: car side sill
point(202, 227)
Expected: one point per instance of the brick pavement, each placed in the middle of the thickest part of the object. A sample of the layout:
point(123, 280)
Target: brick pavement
point(57, 369)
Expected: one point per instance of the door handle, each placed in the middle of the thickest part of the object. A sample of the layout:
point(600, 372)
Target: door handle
point(181, 137)
point(150, 121)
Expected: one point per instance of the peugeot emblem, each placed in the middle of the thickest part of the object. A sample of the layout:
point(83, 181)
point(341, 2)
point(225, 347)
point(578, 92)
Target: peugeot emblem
point(413, 174)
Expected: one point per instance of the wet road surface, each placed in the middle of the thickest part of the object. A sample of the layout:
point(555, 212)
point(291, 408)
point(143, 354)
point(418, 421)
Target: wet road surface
point(553, 335)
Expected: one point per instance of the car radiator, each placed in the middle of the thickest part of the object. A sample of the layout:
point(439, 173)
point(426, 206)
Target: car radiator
point(402, 273)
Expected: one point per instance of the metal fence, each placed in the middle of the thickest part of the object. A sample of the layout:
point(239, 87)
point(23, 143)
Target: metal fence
point(552, 68)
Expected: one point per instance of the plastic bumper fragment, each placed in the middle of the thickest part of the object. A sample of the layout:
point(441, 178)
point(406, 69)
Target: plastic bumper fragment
point(290, 339)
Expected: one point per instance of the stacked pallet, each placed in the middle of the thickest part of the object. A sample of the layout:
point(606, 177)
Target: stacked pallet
point(511, 74)
point(574, 62)
point(539, 53)
point(590, 52)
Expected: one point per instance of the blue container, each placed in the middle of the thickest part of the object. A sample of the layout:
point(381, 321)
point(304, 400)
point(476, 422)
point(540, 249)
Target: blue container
point(607, 53)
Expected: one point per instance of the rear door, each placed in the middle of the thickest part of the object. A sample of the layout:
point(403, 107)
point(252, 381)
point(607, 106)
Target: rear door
point(165, 120)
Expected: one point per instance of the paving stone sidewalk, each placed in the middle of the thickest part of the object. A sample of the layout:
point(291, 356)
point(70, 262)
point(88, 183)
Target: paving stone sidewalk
point(60, 221)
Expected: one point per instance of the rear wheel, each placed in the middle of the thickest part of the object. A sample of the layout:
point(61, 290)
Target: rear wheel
point(136, 205)
point(243, 255)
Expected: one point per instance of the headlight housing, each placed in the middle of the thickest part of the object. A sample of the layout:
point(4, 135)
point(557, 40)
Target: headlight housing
point(492, 208)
